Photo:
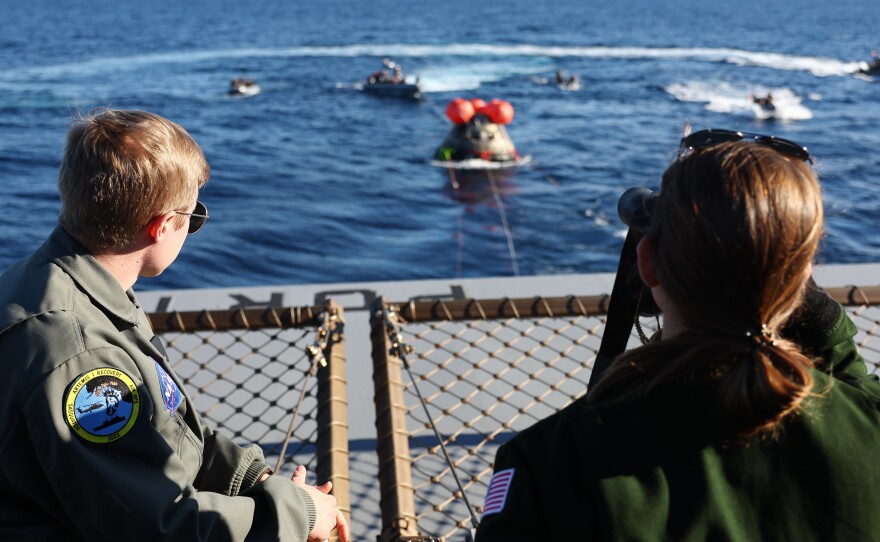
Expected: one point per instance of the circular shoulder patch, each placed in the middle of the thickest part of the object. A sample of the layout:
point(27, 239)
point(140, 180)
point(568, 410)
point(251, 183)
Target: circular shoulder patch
point(102, 405)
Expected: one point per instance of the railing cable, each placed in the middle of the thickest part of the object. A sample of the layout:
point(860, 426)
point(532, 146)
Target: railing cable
point(400, 349)
point(507, 233)
point(315, 352)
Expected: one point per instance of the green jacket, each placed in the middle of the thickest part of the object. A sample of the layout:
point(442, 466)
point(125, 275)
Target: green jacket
point(99, 438)
point(660, 468)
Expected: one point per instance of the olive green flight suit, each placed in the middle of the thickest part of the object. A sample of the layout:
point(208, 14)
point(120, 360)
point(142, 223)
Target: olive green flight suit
point(99, 439)
point(662, 468)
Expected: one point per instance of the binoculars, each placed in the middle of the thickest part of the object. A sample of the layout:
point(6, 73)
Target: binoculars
point(630, 298)
point(636, 208)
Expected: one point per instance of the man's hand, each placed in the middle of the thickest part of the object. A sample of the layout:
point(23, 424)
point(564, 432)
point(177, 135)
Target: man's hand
point(328, 516)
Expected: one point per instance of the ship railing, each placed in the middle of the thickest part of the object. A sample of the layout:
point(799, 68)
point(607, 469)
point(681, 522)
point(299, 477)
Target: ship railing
point(273, 376)
point(476, 371)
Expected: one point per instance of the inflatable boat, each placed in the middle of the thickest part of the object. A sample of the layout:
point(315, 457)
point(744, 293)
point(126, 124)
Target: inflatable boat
point(567, 82)
point(391, 82)
point(243, 87)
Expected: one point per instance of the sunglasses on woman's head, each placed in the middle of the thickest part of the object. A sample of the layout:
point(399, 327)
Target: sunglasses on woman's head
point(707, 138)
point(197, 218)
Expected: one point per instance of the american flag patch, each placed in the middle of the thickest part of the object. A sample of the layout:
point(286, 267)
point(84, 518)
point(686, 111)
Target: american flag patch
point(497, 495)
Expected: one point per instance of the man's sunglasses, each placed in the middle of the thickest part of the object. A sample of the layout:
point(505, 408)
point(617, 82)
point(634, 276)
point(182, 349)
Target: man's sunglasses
point(708, 138)
point(197, 218)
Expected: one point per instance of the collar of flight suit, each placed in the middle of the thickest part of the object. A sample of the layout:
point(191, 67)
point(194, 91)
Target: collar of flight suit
point(104, 290)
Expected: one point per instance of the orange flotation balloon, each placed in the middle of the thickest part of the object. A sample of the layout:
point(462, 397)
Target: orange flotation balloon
point(459, 111)
point(478, 104)
point(499, 111)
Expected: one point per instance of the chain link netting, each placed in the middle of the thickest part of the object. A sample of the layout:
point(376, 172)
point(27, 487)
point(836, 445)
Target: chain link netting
point(485, 380)
point(247, 383)
point(271, 376)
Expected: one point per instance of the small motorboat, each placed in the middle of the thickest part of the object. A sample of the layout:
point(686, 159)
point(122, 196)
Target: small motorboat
point(478, 138)
point(390, 82)
point(764, 108)
point(241, 86)
point(567, 82)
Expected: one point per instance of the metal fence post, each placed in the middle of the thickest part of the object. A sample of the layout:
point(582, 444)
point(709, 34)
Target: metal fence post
point(332, 442)
point(397, 501)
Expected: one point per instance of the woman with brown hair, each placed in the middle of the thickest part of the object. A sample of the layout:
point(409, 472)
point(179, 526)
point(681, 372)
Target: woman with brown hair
point(751, 417)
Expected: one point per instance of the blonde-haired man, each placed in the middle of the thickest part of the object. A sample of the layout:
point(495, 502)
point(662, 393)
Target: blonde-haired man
point(96, 426)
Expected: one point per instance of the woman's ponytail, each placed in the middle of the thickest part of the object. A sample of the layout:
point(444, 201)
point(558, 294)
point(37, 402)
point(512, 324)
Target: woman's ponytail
point(765, 383)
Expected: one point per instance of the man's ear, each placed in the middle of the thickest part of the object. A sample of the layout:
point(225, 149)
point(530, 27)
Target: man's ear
point(161, 226)
point(647, 271)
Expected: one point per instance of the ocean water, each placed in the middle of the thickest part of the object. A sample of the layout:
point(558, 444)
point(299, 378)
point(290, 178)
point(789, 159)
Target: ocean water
point(314, 181)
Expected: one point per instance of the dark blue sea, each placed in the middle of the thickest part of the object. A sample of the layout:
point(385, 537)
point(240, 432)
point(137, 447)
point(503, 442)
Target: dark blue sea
point(315, 181)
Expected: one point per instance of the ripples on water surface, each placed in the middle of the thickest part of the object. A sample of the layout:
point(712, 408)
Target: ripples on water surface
point(313, 181)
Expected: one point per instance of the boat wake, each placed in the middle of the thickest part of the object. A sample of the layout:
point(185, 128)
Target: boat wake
point(470, 75)
point(819, 66)
point(727, 98)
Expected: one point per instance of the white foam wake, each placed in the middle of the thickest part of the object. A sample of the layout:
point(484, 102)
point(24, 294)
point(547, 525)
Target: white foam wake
point(819, 66)
point(470, 75)
point(728, 98)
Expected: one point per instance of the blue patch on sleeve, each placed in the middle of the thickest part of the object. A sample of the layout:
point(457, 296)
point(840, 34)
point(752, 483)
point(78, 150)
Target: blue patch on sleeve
point(171, 395)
